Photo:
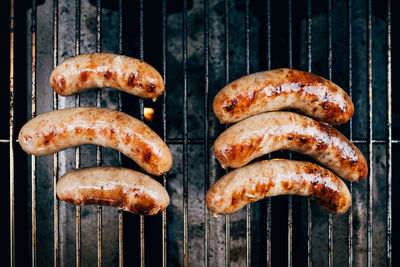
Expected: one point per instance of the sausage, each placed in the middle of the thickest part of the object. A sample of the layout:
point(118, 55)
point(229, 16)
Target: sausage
point(60, 129)
point(102, 70)
point(283, 89)
point(272, 131)
point(122, 188)
point(271, 178)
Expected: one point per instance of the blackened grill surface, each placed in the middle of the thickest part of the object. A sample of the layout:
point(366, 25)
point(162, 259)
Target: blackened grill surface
point(198, 52)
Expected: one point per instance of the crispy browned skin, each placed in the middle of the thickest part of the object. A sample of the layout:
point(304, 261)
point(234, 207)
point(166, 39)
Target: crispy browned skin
point(60, 129)
point(117, 187)
point(282, 89)
point(272, 131)
point(103, 70)
point(271, 178)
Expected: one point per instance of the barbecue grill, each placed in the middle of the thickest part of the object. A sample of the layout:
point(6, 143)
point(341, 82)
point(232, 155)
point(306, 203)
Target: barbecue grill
point(198, 47)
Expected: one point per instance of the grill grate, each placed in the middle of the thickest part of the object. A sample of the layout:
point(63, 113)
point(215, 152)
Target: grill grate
point(186, 142)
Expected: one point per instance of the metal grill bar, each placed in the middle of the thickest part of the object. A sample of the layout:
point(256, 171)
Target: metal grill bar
point(227, 217)
point(330, 230)
point(178, 141)
point(389, 138)
point(120, 239)
point(55, 156)
point(185, 135)
point(77, 149)
point(164, 122)
point(269, 215)
point(141, 106)
point(11, 138)
point(185, 141)
point(33, 114)
point(370, 136)
point(206, 135)
point(98, 148)
point(247, 50)
point(120, 213)
point(350, 185)
point(309, 68)
point(290, 205)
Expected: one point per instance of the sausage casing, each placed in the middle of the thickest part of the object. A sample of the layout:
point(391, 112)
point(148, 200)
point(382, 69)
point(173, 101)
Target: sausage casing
point(60, 129)
point(272, 131)
point(122, 188)
point(103, 70)
point(271, 178)
point(282, 89)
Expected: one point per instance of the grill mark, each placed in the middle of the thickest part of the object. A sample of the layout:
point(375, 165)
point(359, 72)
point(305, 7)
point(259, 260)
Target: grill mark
point(60, 82)
point(133, 201)
point(150, 88)
point(108, 75)
point(84, 76)
point(48, 137)
point(243, 150)
point(132, 79)
point(231, 106)
point(147, 155)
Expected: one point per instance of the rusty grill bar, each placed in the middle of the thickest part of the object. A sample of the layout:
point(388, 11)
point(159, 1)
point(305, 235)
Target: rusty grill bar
point(208, 138)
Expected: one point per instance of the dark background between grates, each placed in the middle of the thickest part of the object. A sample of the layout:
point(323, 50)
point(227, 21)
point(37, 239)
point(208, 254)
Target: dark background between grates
point(243, 37)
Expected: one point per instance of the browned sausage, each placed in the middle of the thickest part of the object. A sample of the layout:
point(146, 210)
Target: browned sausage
point(102, 70)
point(271, 178)
point(283, 89)
point(60, 129)
point(272, 131)
point(117, 187)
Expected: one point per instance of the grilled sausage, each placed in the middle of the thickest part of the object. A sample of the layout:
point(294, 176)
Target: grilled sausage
point(272, 131)
point(117, 187)
point(271, 178)
point(60, 129)
point(283, 89)
point(102, 70)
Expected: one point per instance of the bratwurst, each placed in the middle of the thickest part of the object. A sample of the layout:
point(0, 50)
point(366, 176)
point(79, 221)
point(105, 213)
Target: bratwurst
point(122, 188)
point(282, 89)
point(60, 129)
point(102, 70)
point(272, 131)
point(271, 178)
